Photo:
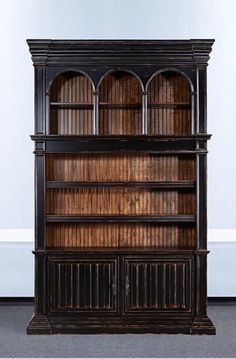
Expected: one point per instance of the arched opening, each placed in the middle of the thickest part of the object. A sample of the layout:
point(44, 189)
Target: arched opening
point(71, 104)
point(169, 104)
point(120, 104)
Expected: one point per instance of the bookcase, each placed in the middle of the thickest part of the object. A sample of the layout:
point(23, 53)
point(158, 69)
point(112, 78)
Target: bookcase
point(120, 186)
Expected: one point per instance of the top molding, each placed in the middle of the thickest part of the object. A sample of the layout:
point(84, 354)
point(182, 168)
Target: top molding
point(120, 52)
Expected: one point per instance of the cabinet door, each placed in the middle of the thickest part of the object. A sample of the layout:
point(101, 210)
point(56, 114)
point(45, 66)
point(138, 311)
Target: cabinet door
point(157, 285)
point(82, 285)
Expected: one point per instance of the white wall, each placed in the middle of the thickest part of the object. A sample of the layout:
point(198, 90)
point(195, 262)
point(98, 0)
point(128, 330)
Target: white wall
point(153, 19)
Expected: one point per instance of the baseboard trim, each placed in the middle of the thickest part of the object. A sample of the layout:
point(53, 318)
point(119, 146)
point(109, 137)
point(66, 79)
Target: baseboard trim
point(15, 301)
point(221, 300)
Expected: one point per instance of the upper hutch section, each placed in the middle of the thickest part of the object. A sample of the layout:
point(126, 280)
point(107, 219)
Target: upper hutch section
point(120, 87)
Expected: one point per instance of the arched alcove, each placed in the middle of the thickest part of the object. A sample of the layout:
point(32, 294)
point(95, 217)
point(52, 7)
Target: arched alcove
point(169, 104)
point(120, 104)
point(71, 104)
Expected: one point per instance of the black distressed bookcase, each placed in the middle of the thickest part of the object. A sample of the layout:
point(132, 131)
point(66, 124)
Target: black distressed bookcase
point(120, 186)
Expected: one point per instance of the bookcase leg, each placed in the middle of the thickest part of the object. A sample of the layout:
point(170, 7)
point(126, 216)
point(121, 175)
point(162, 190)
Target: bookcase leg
point(203, 325)
point(39, 324)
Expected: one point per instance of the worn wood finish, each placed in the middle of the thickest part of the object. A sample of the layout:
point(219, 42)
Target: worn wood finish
point(120, 167)
point(67, 118)
point(169, 105)
point(120, 104)
point(153, 285)
point(120, 145)
point(118, 201)
point(120, 234)
point(83, 285)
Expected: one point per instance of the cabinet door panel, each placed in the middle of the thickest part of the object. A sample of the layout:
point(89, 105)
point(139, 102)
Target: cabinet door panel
point(83, 285)
point(157, 285)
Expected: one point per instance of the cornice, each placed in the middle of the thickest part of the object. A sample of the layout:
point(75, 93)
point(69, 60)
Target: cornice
point(125, 52)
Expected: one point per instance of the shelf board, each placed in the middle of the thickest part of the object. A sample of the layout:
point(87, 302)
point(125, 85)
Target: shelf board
point(169, 105)
point(78, 105)
point(121, 105)
point(165, 218)
point(112, 250)
point(164, 184)
point(197, 137)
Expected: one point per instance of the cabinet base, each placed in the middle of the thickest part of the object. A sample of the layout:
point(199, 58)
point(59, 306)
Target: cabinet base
point(43, 325)
point(39, 324)
point(203, 325)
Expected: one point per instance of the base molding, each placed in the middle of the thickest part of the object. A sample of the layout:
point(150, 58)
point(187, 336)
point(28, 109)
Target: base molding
point(203, 325)
point(43, 325)
point(39, 324)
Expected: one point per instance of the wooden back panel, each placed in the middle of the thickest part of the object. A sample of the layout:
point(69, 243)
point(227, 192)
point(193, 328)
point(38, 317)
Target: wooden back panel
point(117, 90)
point(120, 167)
point(69, 91)
point(120, 200)
point(169, 105)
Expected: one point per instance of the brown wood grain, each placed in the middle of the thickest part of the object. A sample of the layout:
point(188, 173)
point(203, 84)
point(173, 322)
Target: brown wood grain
point(71, 88)
point(118, 201)
point(120, 235)
point(120, 88)
point(120, 167)
point(169, 88)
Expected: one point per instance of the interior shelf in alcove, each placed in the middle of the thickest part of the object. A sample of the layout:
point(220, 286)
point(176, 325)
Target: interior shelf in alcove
point(71, 105)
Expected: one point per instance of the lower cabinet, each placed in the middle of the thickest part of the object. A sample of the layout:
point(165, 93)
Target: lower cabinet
point(157, 285)
point(119, 292)
point(83, 285)
point(122, 285)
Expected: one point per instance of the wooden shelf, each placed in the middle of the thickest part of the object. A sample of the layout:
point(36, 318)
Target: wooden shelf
point(166, 184)
point(72, 105)
point(126, 250)
point(122, 105)
point(197, 137)
point(177, 218)
point(103, 105)
point(169, 105)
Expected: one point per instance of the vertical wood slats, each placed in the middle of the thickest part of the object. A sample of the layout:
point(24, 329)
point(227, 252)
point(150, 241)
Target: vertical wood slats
point(120, 167)
point(154, 285)
point(117, 88)
point(71, 87)
point(121, 88)
point(83, 286)
point(115, 201)
point(120, 235)
point(169, 88)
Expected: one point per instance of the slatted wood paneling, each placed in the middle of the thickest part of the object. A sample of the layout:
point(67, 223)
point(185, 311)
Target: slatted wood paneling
point(119, 167)
point(169, 105)
point(157, 285)
point(120, 235)
point(71, 109)
point(120, 106)
point(83, 285)
point(115, 201)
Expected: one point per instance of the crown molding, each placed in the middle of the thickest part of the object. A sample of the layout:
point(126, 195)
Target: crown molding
point(116, 52)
